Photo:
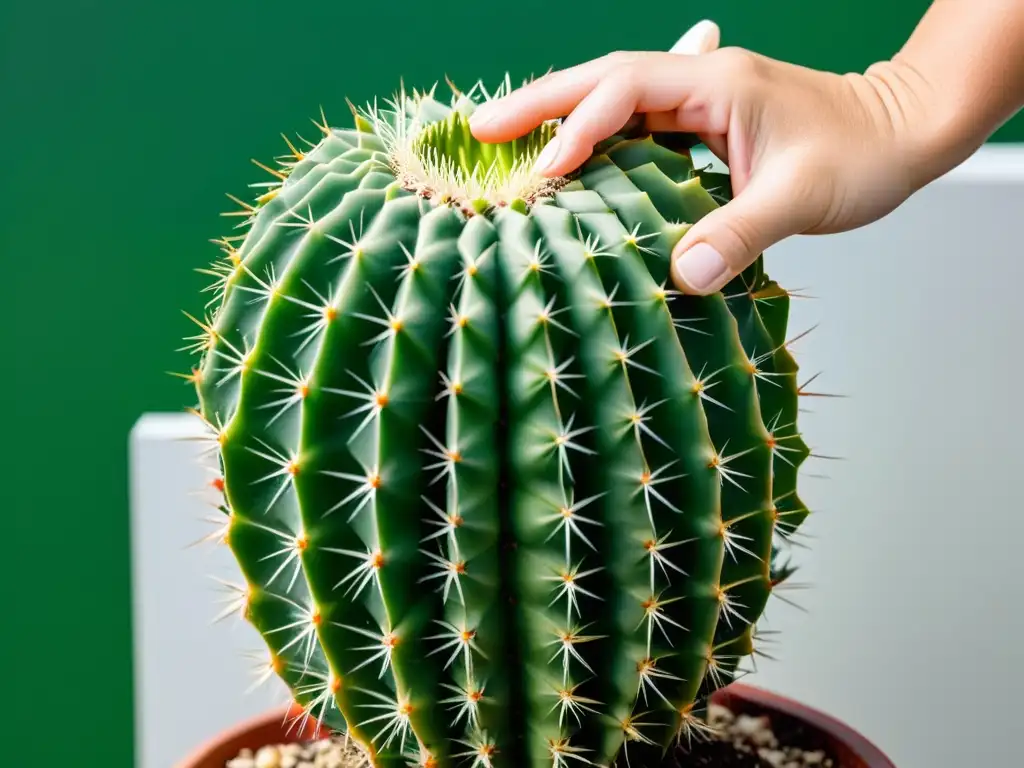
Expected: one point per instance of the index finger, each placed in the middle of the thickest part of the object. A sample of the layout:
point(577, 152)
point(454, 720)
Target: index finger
point(559, 93)
point(554, 95)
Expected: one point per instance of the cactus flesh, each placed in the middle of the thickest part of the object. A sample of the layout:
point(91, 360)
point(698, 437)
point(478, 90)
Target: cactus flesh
point(500, 496)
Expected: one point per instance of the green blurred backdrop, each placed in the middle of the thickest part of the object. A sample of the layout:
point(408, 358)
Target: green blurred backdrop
point(123, 125)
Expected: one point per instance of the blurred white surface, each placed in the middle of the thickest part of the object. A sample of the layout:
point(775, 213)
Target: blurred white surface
point(191, 674)
point(915, 614)
point(914, 619)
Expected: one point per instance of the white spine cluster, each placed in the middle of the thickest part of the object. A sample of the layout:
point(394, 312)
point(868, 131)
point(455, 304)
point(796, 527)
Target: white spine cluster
point(432, 174)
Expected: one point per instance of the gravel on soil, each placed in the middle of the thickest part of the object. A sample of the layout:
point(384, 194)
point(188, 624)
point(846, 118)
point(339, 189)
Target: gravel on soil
point(742, 741)
point(745, 741)
point(334, 752)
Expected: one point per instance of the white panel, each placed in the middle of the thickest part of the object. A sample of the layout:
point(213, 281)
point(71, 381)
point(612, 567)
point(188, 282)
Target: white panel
point(914, 624)
point(191, 675)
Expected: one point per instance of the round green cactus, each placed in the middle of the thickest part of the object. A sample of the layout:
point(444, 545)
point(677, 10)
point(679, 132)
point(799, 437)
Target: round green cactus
point(500, 496)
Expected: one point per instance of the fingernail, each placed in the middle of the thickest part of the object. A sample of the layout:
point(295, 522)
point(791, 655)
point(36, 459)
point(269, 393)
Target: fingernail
point(702, 268)
point(547, 156)
point(702, 37)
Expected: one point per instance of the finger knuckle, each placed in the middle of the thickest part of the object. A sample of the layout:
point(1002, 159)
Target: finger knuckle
point(622, 58)
point(813, 183)
point(627, 77)
point(738, 64)
point(807, 178)
point(805, 168)
point(745, 234)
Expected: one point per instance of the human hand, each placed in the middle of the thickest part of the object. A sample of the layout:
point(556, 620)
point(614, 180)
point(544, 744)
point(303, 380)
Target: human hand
point(809, 152)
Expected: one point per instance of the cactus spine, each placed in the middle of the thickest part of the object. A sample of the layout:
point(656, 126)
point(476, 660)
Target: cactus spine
point(500, 496)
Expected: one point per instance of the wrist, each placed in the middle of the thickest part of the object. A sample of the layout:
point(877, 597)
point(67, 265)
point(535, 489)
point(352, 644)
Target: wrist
point(929, 131)
point(957, 79)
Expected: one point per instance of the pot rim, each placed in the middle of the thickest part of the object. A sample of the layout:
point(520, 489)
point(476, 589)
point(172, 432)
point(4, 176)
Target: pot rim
point(741, 695)
point(831, 726)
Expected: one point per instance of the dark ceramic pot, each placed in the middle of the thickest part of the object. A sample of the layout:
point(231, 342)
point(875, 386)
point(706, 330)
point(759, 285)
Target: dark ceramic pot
point(852, 749)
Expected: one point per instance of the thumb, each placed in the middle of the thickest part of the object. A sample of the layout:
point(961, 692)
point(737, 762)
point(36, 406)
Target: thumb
point(729, 239)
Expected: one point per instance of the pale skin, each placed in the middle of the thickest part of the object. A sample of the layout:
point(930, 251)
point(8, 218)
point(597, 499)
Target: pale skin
point(809, 152)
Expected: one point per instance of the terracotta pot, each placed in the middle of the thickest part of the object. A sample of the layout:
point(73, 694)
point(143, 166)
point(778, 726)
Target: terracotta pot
point(852, 749)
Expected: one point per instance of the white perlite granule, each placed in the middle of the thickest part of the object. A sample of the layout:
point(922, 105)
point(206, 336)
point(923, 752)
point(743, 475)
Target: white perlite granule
point(752, 735)
point(324, 753)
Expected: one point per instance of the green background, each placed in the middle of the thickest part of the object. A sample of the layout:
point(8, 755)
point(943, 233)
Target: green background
point(123, 124)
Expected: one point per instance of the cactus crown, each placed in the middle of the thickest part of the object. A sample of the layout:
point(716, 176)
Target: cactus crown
point(499, 496)
point(435, 155)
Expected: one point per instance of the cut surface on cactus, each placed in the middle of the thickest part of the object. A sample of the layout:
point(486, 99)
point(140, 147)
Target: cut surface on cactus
point(500, 496)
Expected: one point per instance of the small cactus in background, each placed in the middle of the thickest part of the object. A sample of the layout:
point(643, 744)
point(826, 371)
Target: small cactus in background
point(500, 496)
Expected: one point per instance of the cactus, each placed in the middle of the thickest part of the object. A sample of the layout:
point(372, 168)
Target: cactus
point(500, 496)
